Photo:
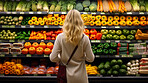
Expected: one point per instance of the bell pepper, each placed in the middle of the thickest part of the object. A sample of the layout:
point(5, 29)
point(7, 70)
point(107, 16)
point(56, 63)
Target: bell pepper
point(104, 23)
point(122, 23)
point(143, 23)
point(86, 31)
point(111, 51)
point(129, 23)
point(93, 31)
point(92, 37)
point(104, 18)
point(142, 18)
point(130, 37)
point(98, 17)
point(62, 16)
point(92, 23)
point(109, 36)
point(104, 31)
point(94, 51)
point(110, 23)
point(128, 18)
point(100, 45)
point(122, 37)
point(113, 44)
point(122, 18)
point(98, 23)
point(99, 36)
point(110, 18)
point(56, 15)
point(105, 51)
point(133, 32)
point(118, 32)
point(136, 23)
point(116, 37)
point(112, 32)
point(125, 32)
point(103, 37)
point(116, 23)
point(135, 18)
point(106, 45)
point(99, 51)
point(116, 18)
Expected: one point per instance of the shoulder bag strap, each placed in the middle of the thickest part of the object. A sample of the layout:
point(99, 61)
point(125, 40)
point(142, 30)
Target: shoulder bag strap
point(74, 51)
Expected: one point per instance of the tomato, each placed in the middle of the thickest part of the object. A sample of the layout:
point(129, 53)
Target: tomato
point(53, 38)
point(92, 37)
point(93, 31)
point(35, 44)
point(50, 45)
point(32, 50)
point(47, 51)
point(27, 45)
point(43, 45)
point(39, 50)
point(25, 51)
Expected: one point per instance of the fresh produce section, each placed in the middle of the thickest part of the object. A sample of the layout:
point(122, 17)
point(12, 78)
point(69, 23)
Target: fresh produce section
point(117, 29)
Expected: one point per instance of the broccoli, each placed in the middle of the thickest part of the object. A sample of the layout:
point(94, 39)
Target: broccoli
point(86, 3)
point(79, 7)
point(86, 9)
point(93, 7)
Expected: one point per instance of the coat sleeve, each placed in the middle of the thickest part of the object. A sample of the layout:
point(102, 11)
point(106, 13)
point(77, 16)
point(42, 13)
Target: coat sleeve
point(56, 50)
point(88, 51)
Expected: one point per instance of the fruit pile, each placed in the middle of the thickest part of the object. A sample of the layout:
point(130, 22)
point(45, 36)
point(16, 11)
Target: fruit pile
point(7, 34)
point(12, 67)
point(43, 35)
point(9, 20)
point(118, 34)
point(113, 67)
point(104, 48)
point(36, 48)
point(91, 70)
point(141, 36)
point(50, 19)
point(23, 35)
point(99, 20)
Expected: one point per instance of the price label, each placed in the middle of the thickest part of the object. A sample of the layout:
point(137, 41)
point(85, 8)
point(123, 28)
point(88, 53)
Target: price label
point(103, 26)
point(31, 26)
point(117, 26)
point(84, 13)
point(129, 13)
point(8, 12)
point(143, 56)
point(21, 12)
point(141, 12)
point(85, 26)
point(23, 26)
point(108, 41)
point(45, 26)
point(139, 41)
point(117, 41)
point(2, 55)
point(116, 13)
point(128, 41)
point(11, 40)
point(46, 55)
point(98, 41)
point(30, 12)
point(14, 55)
point(0, 40)
point(39, 12)
point(28, 55)
point(48, 74)
point(117, 56)
point(50, 13)
point(92, 41)
point(97, 56)
point(93, 13)
point(35, 74)
point(102, 13)
point(60, 26)
point(63, 12)
point(13, 12)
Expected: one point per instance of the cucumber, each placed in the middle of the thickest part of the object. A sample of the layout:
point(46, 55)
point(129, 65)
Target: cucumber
point(122, 49)
point(122, 44)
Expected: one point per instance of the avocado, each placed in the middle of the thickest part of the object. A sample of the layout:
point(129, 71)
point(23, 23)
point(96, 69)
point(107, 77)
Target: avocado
point(109, 72)
point(113, 62)
point(102, 72)
point(122, 71)
point(115, 73)
point(119, 62)
point(123, 67)
point(106, 66)
point(116, 67)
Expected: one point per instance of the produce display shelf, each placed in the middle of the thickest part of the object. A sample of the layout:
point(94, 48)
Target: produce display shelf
point(122, 56)
point(31, 12)
point(91, 78)
point(105, 13)
point(88, 27)
point(6, 41)
point(24, 55)
point(118, 41)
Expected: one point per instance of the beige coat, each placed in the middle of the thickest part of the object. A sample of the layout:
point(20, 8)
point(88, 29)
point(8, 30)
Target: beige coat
point(76, 70)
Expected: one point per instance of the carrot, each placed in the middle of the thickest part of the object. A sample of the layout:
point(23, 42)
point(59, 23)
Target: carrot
point(101, 6)
point(110, 6)
point(114, 6)
point(7, 72)
point(1, 66)
point(98, 6)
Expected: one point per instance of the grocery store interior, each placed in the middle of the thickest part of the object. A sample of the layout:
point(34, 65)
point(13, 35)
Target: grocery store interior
point(117, 29)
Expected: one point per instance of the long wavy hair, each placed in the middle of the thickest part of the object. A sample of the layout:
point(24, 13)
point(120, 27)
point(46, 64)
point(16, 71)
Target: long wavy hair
point(73, 26)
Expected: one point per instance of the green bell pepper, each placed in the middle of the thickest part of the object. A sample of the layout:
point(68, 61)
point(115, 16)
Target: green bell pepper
point(94, 51)
point(100, 45)
point(106, 45)
point(103, 37)
point(104, 31)
point(118, 32)
point(109, 36)
point(99, 51)
point(122, 37)
point(133, 32)
point(116, 37)
point(113, 44)
point(130, 37)
point(105, 51)
point(125, 32)
point(112, 32)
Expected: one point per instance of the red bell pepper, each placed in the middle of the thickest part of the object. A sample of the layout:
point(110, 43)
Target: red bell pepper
point(93, 31)
point(92, 37)
point(86, 31)
point(53, 38)
point(98, 36)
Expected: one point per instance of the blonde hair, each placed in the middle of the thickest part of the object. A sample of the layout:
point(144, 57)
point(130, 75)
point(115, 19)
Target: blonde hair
point(73, 27)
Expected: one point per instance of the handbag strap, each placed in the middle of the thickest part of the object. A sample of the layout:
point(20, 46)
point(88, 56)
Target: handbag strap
point(74, 51)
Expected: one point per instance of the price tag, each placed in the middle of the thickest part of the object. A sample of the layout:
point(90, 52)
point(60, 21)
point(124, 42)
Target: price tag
point(116, 13)
point(1, 74)
point(84, 13)
point(108, 41)
point(97, 56)
point(102, 13)
point(8, 12)
point(50, 13)
point(13, 12)
point(92, 41)
point(28, 55)
point(23, 26)
point(45, 26)
point(129, 13)
point(39, 12)
point(21, 12)
point(35, 74)
point(2, 55)
point(30, 12)
point(46, 55)
point(60, 26)
point(93, 12)
point(128, 41)
point(31, 26)
point(98, 41)
point(141, 12)
point(85, 26)
point(117, 41)
point(48, 74)
point(139, 41)
point(14, 55)
point(117, 26)
point(103, 26)
point(11, 40)
point(0, 40)
point(63, 12)
point(117, 56)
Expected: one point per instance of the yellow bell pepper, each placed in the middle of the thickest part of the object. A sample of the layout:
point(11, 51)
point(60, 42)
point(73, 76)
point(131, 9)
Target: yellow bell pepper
point(109, 23)
point(56, 23)
point(116, 18)
point(122, 18)
point(143, 23)
point(40, 19)
point(36, 23)
point(98, 23)
point(56, 15)
point(34, 18)
point(142, 18)
point(53, 19)
point(42, 23)
point(93, 18)
point(98, 17)
point(122, 23)
point(116, 23)
point(61, 23)
point(128, 18)
point(110, 18)
point(104, 23)
point(129, 23)
point(104, 18)
point(59, 19)
point(135, 18)
point(92, 23)
point(136, 23)
point(30, 22)
point(45, 19)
